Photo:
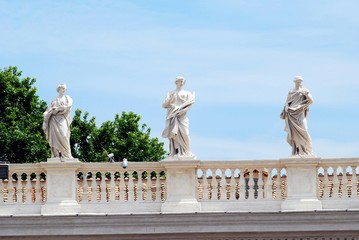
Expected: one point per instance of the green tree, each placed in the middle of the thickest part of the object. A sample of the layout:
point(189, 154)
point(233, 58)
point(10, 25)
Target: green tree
point(22, 139)
point(124, 137)
point(82, 135)
point(21, 136)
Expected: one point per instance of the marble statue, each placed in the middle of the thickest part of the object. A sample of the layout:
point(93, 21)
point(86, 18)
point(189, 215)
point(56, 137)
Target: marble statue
point(56, 124)
point(177, 103)
point(295, 113)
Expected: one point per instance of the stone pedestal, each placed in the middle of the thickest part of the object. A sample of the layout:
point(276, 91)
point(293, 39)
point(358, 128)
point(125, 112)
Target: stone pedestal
point(301, 184)
point(61, 186)
point(181, 186)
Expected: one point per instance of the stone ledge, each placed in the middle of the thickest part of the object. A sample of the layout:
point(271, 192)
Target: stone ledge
point(233, 225)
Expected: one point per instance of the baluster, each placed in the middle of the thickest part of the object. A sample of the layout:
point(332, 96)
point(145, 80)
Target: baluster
point(205, 185)
point(153, 187)
point(275, 188)
point(124, 187)
point(131, 187)
point(147, 188)
point(350, 183)
point(268, 192)
point(43, 190)
point(136, 186)
point(3, 191)
point(158, 187)
point(80, 188)
point(87, 190)
point(335, 194)
point(232, 183)
point(226, 186)
point(111, 187)
point(103, 188)
point(29, 189)
point(200, 185)
point(118, 188)
point(9, 190)
point(260, 184)
point(236, 186)
point(320, 183)
point(163, 182)
point(242, 185)
point(278, 184)
point(354, 182)
point(217, 186)
point(39, 188)
point(23, 190)
point(330, 183)
point(97, 188)
point(144, 187)
point(250, 185)
point(283, 187)
point(36, 187)
point(325, 184)
point(90, 191)
point(211, 185)
point(94, 188)
point(107, 186)
point(11, 186)
point(16, 191)
point(222, 185)
point(345, 182)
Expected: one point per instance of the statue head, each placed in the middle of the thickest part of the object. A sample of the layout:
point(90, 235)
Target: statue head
point(298, 79)
point(62, 85)
point(179, 78)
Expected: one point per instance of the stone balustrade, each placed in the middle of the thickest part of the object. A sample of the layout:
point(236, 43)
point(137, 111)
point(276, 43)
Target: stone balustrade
point(181, 186)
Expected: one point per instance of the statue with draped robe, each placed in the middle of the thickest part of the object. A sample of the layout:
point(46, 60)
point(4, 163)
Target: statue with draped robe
point(56, 124)
point(178, 103)
point(295, 114)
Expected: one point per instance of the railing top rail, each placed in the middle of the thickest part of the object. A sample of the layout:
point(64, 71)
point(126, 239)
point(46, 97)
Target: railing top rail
point(241, 164)
point(132, 166)
point(25, 167)
point(202, 164)
point(339, 161)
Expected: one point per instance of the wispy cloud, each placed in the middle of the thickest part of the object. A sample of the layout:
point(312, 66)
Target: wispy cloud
point(239, 56)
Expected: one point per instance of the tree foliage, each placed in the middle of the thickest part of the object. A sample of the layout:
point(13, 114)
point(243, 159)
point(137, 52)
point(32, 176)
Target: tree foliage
point(21, 135)
point(124, 137)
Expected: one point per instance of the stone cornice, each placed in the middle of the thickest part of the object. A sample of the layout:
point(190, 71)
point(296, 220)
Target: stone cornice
point(208, 225)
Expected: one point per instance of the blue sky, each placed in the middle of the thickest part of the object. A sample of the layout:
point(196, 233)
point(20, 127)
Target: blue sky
point(238, 56)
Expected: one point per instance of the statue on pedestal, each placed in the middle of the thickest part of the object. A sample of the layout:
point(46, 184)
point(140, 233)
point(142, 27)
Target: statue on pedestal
point(56, 124)
point(177, 103)
point(295, 113)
